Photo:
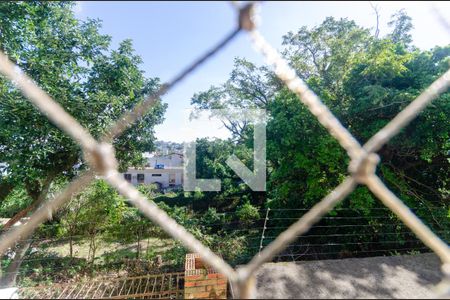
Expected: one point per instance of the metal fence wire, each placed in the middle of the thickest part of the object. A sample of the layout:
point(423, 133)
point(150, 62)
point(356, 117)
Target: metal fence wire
point(101, 159)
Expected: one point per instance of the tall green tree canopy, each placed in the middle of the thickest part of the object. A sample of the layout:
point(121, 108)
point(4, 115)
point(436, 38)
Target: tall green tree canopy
point(365, 80)
point(74, 63)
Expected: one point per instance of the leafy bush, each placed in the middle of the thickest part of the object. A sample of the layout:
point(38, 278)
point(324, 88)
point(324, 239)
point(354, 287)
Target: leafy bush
point(247, 213)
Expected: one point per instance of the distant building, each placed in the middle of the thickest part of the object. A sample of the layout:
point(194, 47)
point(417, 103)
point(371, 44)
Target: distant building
point(164, 170)
point(165, 161)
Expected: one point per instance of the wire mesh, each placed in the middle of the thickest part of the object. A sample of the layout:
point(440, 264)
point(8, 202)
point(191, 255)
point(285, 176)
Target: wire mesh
point(100, 157)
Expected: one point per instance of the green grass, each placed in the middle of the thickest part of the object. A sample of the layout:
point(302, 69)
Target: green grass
point(81, 248)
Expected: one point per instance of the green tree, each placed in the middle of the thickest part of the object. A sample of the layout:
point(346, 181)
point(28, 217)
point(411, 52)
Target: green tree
point(381, 84)
point(247, 213)
point(366, 81)
point(101, 207)
point(401, 25)
point(249, 87)
point(73, 63)
point(323, 54)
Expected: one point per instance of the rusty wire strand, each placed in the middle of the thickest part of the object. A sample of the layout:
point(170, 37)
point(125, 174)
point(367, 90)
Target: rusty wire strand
point(45, 103)
point(363, 160)
point(140, 109)
point(160, 217)
point(422, 231)
point(302, 225)
point(45, 212)
point(306, 95)
point(101, 158)
point(440, 17)
point(402, 119)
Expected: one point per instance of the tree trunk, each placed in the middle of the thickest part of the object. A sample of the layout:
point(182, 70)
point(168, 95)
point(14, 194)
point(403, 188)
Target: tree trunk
point(71, 248)
point(71, 232)
point(21, 214)
point(148, 247)
point(138, 250)
point(92, 248)
point(38, 195)
point(10, 277)
point(5, 189)
point(93, 252)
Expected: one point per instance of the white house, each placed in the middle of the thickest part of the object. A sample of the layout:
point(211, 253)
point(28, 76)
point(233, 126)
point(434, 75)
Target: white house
point(165, 161)
point(166, 171)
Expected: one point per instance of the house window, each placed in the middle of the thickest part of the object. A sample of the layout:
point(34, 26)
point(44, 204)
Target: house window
point(140, 178)
point(127, 177)
point(156, 175)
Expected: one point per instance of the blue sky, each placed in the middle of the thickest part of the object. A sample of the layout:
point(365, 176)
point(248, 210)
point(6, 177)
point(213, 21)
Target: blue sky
point(169, 35)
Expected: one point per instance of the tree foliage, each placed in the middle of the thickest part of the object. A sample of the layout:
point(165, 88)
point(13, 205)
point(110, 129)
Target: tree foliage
point(74, 64)
point(366, 81)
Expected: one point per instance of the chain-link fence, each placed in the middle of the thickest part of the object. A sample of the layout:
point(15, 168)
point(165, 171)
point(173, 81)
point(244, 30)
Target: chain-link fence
point(101, 159)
